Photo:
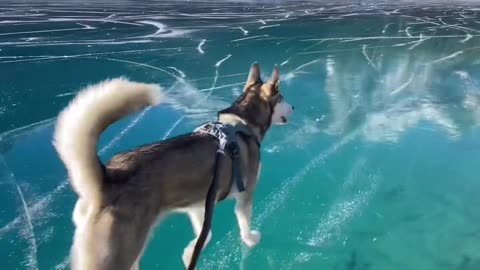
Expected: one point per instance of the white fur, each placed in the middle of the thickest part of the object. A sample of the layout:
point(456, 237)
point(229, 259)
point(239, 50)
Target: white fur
point(243, 211)
point(196, 214)
point(81, 123)
point(281, 112)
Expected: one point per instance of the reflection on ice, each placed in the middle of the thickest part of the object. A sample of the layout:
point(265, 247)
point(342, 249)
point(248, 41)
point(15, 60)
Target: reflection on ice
point(405, 91)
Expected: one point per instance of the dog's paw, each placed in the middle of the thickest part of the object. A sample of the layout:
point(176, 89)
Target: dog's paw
point(251, 239)
point(188, 251)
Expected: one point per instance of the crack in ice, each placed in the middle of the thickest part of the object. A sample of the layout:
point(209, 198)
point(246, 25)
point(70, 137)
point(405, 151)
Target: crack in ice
point(245, 32)
point(33, 242)
point(453, 55)
point(199, 47)
point(247, 38)
point(403, 86)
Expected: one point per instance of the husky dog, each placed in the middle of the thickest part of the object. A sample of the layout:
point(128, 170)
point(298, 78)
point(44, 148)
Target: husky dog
point(120, 202)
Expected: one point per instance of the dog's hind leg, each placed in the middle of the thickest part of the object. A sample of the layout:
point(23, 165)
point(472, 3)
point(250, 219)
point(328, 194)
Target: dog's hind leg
point(80, 212)
point(110, 240)
point(243, 211)
point(135, 265)
point(196, 214)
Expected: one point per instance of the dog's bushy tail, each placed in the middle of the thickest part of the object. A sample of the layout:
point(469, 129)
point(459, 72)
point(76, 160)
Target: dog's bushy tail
point(80, 124)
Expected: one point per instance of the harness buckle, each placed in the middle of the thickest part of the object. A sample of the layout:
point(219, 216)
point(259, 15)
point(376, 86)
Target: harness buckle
point(233, 149)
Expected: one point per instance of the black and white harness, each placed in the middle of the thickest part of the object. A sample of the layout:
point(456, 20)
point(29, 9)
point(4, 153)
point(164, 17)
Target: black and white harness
point(227, 137)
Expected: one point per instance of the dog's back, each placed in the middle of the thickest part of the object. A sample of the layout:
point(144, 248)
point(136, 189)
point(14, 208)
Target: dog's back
point(168, 175)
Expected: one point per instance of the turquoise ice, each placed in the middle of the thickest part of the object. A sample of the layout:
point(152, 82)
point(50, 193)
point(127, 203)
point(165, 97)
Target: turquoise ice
point(377, 170)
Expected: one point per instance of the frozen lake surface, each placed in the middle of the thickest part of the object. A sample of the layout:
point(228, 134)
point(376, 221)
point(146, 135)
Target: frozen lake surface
point(377, 170)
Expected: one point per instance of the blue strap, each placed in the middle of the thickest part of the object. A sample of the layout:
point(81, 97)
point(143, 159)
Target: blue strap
point(234, 152)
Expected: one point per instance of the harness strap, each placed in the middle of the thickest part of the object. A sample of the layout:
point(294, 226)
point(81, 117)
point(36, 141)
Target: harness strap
point(227, 136)
point(208, 216)
point(234, 152)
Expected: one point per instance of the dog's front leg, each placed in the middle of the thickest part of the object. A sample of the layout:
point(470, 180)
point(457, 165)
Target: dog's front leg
point(197, 215)
point(243, 211)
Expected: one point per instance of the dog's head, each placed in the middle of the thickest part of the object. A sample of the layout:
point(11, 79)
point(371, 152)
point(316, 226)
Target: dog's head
point(269, 93)
point(261, 104)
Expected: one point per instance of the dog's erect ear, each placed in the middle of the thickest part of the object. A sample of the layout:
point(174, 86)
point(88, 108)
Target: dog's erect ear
point(275, 78)
point(253, 76)
point(270, 88)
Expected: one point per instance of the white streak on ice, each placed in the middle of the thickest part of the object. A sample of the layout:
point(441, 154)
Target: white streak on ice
point(403, 86)
point(245, 32)
point(33, 263)
point(220, 62)
point(199, 48)
point(269, 26)
point(453, 55)
point(247, 38)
